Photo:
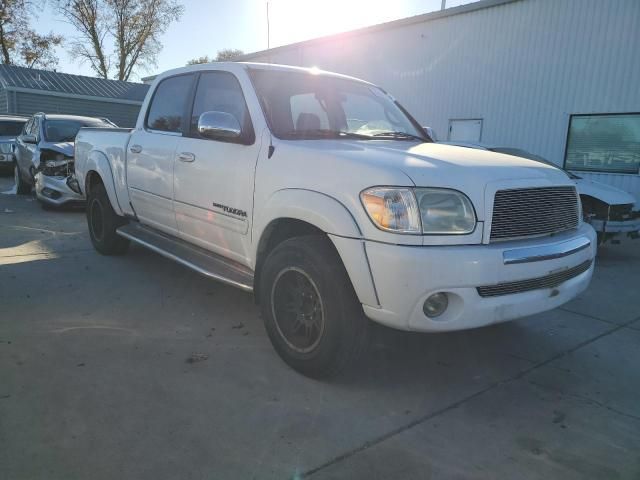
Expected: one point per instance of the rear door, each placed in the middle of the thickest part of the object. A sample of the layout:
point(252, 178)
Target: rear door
point(151, 153)
point(214, 177)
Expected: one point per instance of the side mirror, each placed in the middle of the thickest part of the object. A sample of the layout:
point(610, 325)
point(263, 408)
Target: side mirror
point(431, 133)
point(28, 139)
point(219, 125)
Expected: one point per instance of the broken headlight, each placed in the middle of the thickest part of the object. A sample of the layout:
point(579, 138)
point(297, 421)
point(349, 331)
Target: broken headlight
point(55, 164)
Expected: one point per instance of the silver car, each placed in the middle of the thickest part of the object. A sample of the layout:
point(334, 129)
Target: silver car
point(44, 157)
point(10, 128)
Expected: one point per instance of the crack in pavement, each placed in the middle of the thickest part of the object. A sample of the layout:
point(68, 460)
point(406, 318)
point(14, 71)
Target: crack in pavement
point(382, 438)
point(585, 398)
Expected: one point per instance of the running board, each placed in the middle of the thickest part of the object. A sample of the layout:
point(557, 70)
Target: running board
point(202, 261)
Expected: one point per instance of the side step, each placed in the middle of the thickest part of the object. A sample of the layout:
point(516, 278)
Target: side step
point(202, 261)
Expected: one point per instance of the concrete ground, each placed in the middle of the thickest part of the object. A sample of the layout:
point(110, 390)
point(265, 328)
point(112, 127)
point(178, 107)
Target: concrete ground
point(95, 382)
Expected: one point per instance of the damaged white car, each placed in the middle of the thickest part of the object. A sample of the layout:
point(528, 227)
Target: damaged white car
point(45, 157)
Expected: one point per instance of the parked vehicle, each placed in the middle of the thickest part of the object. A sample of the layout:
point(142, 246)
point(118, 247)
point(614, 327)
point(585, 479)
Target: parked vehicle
point(608, 209)
point(320, 194)
point(10, 128)
point(45, 159)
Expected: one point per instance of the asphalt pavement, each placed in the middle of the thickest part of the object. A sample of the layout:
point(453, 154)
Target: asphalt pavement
point(134, 367)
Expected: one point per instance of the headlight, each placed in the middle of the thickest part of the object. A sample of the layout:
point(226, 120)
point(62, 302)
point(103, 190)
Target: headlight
point(421, 210)
point(445, 211)
point(392, 209)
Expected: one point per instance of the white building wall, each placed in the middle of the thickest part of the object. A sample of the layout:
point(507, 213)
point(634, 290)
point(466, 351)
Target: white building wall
point(521, 66)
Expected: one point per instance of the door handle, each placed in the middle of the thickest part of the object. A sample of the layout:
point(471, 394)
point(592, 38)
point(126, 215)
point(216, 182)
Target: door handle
point(135, 148)
point(186, 157)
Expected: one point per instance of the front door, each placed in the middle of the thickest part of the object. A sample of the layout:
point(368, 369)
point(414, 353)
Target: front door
point(26, 150)
point(151, 154)
point(213, 177)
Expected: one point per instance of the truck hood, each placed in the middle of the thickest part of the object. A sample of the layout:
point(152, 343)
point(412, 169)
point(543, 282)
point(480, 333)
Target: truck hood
point(476, 173)
point(65, 148)
point(606, 193)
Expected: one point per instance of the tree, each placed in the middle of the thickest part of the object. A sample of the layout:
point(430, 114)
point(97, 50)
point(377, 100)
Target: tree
point(225, 55)
point(19, 43)
point(37, 51)
point(196, 61)
point(228, 54)
point(134, 27)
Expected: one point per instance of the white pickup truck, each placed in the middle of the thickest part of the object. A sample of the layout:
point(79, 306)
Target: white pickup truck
point(323, 196)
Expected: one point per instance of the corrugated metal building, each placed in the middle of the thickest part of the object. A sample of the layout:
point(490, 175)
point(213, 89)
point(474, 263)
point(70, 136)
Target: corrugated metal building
point(26, 91)
point(533, 74)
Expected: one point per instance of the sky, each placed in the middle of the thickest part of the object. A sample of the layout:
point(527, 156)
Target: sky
point(211, 25)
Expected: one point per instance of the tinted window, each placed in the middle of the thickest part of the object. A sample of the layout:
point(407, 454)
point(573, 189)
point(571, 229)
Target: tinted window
point(168, 104)
point(11, 128)
point(220, 92)
point(66, 130)
point(604, 143)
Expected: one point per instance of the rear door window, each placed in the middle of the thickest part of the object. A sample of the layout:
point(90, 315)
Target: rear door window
point(167, 110)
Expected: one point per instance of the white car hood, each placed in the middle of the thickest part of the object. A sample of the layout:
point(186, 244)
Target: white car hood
point(65, 148)
point(604, 192)
point(344, 167)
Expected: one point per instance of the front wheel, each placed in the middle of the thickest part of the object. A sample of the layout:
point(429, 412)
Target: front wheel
point(22, 187)
point(309, 307)
point(103, 223)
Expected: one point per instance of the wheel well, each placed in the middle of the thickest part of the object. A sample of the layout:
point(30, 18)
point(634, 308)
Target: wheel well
point(592, 206)
point(277, 232)
point(93, 179)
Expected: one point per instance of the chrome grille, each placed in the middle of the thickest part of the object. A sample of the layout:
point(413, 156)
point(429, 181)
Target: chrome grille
point(548, 281)
point(531, 212)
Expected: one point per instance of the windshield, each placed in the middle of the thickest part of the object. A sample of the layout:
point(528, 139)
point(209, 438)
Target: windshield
point(531, 156)
point(304, 106)
point(11, 128)
point(66, 130)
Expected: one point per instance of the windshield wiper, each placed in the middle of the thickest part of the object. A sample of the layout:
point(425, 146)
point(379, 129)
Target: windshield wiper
point(400, 136)
point(324, 133)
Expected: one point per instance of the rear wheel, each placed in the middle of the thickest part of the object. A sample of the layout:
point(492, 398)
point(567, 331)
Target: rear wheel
point(103, 223)
point(311, 313)
point(22, 187)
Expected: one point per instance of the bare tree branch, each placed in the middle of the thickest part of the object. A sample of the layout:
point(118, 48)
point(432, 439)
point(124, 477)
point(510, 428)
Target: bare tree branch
point(134, 26)
point(19, 43)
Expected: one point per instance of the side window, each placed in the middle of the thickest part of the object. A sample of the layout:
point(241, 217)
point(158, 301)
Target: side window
point(168, 104)
point(308, 113)
point(221, 92)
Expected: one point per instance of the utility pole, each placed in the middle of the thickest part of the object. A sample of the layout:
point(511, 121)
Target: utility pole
point(444, 5)
point(268, 33)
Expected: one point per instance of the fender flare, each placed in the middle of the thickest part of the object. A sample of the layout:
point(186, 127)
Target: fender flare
point(320, 210)
point(333, 218)
point(98, 162)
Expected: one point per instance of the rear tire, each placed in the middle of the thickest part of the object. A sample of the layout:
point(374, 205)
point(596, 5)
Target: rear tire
point(310, 310)
point(103, 223)
point(22, 187)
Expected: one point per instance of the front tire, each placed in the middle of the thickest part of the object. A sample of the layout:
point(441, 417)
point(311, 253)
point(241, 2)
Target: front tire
point(103, 223)
point(310, 310)
point(22, 187)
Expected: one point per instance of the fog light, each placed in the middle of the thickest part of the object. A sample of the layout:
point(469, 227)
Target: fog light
point(435, 305)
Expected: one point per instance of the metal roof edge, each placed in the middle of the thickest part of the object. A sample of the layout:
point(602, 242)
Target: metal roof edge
point(52, 93)
point(424, 17)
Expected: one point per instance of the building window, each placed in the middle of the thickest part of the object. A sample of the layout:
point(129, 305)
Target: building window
point(604, 143)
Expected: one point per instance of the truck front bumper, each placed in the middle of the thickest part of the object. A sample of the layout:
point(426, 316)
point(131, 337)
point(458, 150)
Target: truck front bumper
point(485, 284)
point(55, 191)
